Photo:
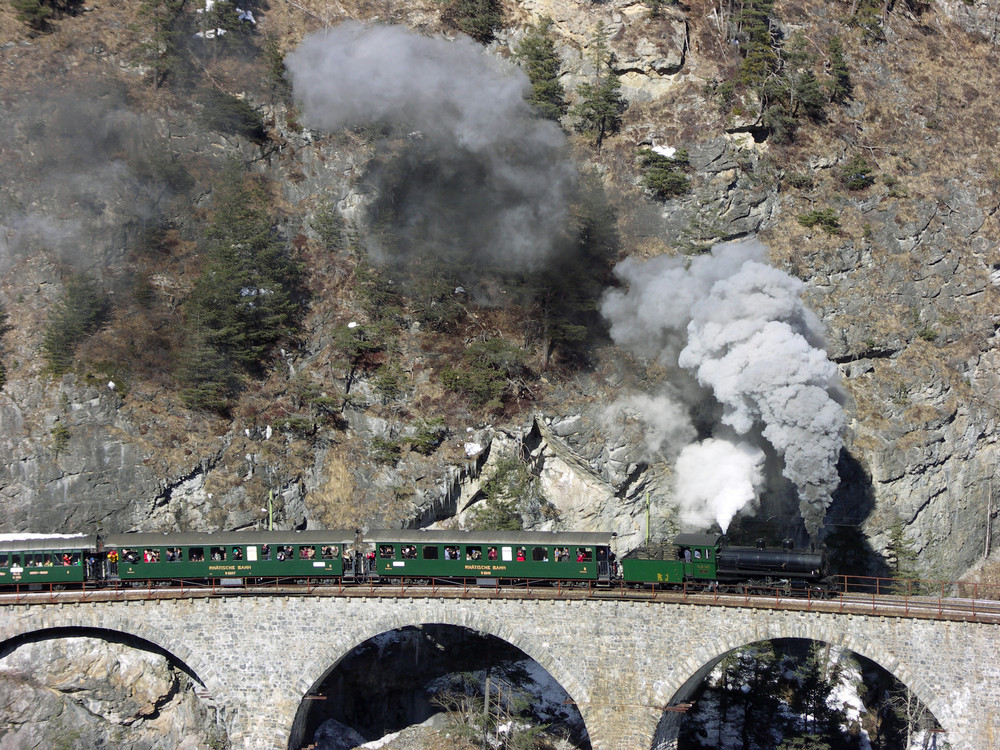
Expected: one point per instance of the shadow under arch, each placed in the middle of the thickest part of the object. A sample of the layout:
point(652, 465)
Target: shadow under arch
point(327, 660)
point(700, 665)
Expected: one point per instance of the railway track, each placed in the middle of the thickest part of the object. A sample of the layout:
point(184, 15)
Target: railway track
point(859, 604)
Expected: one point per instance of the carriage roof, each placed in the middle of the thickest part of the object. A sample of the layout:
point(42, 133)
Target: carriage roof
point(422, 536)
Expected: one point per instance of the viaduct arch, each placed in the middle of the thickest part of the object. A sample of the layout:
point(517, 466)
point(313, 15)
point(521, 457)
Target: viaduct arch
point(621, 661)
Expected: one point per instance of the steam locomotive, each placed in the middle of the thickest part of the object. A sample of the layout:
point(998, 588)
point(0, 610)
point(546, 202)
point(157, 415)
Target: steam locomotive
point(506, 558)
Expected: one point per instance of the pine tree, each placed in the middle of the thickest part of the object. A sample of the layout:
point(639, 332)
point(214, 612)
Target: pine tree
point(165, 30)
point(537, 53)
point(601, 104)
point(81, 311)
point(245, 300)
point(329, 225)
point(749, 684)
point(816, 682)
point(902, 559)
point(663, 175)
point(480, 19)
point(208, 379)
point(32, 13)
point(839, 85)
point(809, 96)
point(37, 14)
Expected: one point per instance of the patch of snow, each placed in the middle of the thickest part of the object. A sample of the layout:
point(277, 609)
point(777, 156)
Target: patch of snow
point(473, 449)
point(667, 151)
point(375, 744)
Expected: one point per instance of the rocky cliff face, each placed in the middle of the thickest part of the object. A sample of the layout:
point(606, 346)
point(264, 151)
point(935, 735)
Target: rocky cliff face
point(906, 288)
point(84, 692)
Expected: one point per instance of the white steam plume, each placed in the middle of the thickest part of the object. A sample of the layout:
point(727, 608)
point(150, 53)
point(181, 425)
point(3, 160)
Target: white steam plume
point(716, 479)
point(481, 179)
point(740, 327)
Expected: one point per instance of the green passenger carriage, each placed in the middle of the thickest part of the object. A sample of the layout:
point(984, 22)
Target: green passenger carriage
point(489, 556)
point(230, 557)
point(33, 559)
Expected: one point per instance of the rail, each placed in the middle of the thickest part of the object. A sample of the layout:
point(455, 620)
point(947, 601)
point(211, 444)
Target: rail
point(857, 595)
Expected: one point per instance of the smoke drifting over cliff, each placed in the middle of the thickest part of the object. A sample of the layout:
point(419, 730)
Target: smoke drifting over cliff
point(474, 176)
point(76, 180)
point(740, 328)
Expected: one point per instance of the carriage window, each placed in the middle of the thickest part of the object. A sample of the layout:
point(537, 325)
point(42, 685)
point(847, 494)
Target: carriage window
point(708, 554)
point(491, 554)
point(307, 553)
point(66, 558)
point(251, 553)
point(196, 554)
point(265, 552)
point(151, 555)
point(506, 554)
point(47, 561)
point(218, 554)
point(451, 553)
point(521, 554)
point(174, 554)
point(237, 553)
point(697, 554)
point(284, 552)
point(386, 551)
point(330, 552)
point(584, 554)
point(15, 560)
point(430, 553)
point(540, 554)
point(562, 554)
point(473, 553)
point(3, 560)
point(409, 552)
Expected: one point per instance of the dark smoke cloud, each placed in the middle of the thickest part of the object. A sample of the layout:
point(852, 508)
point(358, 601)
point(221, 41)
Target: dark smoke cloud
point(475, 176)
point(68, 186)
point(740, 327)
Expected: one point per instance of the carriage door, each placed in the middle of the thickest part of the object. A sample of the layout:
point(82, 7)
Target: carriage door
point(603, 568)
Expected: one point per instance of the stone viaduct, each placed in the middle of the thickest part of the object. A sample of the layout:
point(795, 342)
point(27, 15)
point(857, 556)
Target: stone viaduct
point(621, 661)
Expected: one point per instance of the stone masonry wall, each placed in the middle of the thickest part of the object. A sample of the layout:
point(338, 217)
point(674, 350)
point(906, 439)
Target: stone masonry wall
point(620, 661)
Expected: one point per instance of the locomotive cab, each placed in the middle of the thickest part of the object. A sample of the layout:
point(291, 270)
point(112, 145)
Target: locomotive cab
point(698, 553)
